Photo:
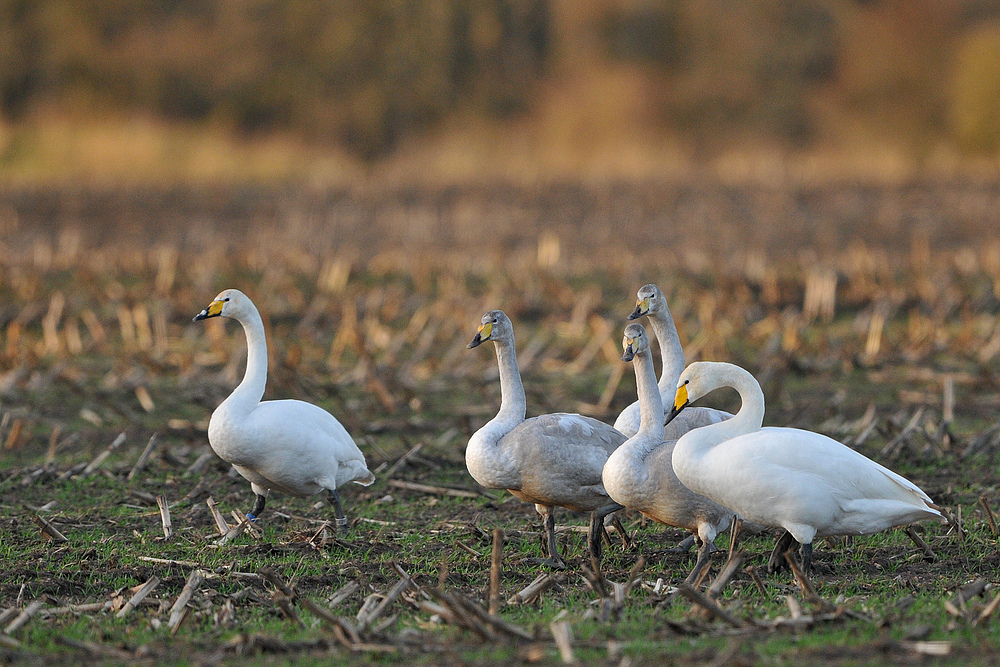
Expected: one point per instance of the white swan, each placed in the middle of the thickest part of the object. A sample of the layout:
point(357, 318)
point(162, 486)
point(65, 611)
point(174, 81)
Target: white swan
point(292, 446)
point(639, 474)
point(652, 303)
point(804, 482)
point(551, 460)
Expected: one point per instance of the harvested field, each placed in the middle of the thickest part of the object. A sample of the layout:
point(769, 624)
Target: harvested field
point(867, 313)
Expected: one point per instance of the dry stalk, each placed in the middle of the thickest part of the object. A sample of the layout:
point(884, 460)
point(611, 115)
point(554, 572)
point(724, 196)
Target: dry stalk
point(402, 461)
point(139, 596)
point(165, 517)
point(921, 544)
point(284, 603)
point(532, 591)
point(433, 490)
point(990, 519)
point(709, 606)
point(99, 459)
point(393, 594)
point(496, 560)
point(269, 575)
point(178, 611)
point(563, 636)
point(220, 521)
point(49, 532)
point(729, 570)
point(23, 617)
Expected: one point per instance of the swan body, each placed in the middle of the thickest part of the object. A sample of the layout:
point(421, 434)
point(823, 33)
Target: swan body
point(804, 482)
point(552, 460)
point(653, 304)
point(640, 473)
point(291, 446)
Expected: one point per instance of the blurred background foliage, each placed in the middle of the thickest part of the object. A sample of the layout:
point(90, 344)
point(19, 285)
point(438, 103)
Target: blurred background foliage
point(372, 79)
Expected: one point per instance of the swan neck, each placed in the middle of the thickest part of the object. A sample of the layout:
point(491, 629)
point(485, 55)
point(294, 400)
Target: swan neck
point(751, 414)
point(251, 389)
point(650, 403)
point(513, 403)
point(671, 353)
point(749, 418)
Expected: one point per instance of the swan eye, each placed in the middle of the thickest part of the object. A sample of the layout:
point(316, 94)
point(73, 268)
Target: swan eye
point(494, 320)
point(226, 299)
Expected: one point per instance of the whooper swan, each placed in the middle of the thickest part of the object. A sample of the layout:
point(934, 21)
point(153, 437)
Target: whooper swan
point(291, 446)
point(652, 303)
point(639, 474)
point(551, 460)
point(804, 482)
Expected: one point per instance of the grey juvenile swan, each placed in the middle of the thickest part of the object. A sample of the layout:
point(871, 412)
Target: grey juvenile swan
point(551, 460)
point(640, 475)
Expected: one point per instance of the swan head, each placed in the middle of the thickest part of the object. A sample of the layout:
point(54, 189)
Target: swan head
point(229, 303)
point(694, 382)
point(649, 299)
point(636, 341)
point(494, 326)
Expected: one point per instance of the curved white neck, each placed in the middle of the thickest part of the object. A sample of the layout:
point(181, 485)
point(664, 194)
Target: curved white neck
point(249, 392)
point(751, 414)
point(671, 353)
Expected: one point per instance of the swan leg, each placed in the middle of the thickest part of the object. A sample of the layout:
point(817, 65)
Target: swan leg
point(626, 540)
point(705, 549)
point(258, 507)
point(777, 562)
point(549, 524)
point(806, 553)
point(338, 509)
point(597, 531)
point(683, 546)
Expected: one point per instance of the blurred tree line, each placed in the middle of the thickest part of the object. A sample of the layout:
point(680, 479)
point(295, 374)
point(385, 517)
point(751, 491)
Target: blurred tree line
point(366, 73)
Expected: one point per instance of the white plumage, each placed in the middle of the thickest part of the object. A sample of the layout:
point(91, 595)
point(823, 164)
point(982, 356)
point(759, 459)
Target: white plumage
point(292, 446)
point(804, 482)
point(550, 460)
point(640, 474)
point(652, 303)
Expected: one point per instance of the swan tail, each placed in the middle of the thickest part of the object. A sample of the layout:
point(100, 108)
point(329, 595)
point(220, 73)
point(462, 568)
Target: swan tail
point(367, 480)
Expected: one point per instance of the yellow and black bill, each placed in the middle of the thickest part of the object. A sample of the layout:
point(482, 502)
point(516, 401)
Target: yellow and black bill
point(631, 347)
point(680, 402)
point(641, 308)
point(482, 335)
point(214, 310)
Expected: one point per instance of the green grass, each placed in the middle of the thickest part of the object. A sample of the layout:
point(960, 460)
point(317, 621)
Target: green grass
point(109, 531)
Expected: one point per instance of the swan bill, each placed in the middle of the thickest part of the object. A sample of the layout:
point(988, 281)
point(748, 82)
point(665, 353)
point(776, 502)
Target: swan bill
point(631, 348)
point(214, 310)
point(641, 308)
point(482, 335)
point(680, 402)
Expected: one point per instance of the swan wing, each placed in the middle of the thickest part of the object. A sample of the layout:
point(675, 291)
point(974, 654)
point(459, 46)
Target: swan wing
point(560, 458)
point(785, 476)
point(304, 447)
